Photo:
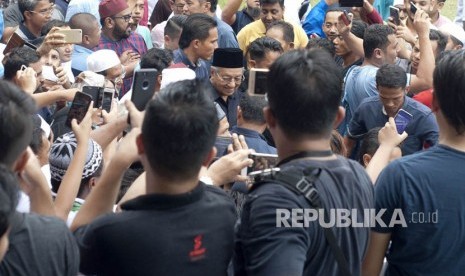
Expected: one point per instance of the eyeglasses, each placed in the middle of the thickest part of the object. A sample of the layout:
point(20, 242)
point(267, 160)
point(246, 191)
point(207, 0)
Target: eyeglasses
point(126, 18)
point(237, 80)
point(45, 12)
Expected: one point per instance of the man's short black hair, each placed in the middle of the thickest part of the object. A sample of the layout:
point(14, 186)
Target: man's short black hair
point(16, 58)
point(435, 35)
point(321, 43)
point(28, 5)
point(174, 25)
point(358, 28)
point(213, 5)
point(370, 144)
point(376, 36)
point(258, 49)
point(272, 2)
point(50, 24)
point(391, 76)
point(449, 88)
point(332, 9)
point(252, 109)
point(286, 28)
point(197, 26)
point(304, 92)
point(84, 21)
point(179, 129)
point(16, 124)
point(156, 58)
point(8, 197)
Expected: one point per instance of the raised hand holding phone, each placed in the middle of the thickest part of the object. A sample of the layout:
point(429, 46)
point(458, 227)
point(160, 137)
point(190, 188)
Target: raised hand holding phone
point(79, 108)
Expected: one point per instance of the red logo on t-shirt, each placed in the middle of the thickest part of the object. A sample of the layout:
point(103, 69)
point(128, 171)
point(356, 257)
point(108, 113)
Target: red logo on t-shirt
point(198, 252)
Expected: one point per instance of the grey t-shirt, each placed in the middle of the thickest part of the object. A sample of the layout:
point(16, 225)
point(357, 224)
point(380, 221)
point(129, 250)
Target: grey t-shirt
point(40, 245)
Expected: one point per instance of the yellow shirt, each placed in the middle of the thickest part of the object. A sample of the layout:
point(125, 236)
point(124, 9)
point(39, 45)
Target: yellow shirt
point(257, 29)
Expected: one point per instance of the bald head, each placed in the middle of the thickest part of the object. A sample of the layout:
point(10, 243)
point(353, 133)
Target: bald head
point(90, 29)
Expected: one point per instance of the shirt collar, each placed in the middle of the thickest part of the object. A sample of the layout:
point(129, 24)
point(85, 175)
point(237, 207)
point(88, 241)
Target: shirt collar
point(163, 201)
point(246, 132)
point(26, 32)
point(187, 62)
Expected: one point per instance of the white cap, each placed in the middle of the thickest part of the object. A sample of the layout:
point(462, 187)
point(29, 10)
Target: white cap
point(170, 75)
point(455, 31)
point(102, 60)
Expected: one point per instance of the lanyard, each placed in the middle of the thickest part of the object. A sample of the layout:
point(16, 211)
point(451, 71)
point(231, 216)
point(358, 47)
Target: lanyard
point(305, 154)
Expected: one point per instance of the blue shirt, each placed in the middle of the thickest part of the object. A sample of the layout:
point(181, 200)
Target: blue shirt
point(254, 140)
point(422, 130)
point(226, 36)
point(430, 183)
point(79, 58)
point(87, 6)
point(314, 21)
point(229, 106)
point(382, 6)
point(201, 68)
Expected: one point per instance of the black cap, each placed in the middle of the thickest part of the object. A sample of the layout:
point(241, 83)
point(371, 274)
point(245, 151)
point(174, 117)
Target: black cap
point(228, 58)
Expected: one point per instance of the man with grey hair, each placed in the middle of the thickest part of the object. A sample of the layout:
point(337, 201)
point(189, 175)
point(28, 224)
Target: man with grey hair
point(227, 74)
point(36, 14)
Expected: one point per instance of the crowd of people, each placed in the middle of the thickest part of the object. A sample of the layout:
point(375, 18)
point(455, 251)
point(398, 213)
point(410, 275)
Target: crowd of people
point(363, 114)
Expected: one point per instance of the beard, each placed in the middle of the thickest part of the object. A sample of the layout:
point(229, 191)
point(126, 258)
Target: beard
point(254, 12)
point(121, 33)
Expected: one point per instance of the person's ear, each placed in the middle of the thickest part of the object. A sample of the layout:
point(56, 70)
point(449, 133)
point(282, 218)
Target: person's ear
point(269, 117)
point(291, 45)
point(195, 43)
point(366, 159)
point(341, 113)
point(85, 39)
point(92, 183)
point(378, 53)
point(27, 14)
point(20, 163)
point(207, 7)
point(209, 157)
point(251, 63)
point(239, 113)
point(167, 39)
point(108, 22)
point(159, 78)
point(140, 145)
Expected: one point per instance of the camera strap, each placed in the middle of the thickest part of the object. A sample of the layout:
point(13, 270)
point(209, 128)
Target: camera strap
point(303, 183)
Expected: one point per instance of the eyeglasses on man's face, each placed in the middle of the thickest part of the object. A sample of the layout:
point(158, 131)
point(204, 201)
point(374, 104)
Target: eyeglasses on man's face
point(228, 79)
point(126, 17)
point(45, 12)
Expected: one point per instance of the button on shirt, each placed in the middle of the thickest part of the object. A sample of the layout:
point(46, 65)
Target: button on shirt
point(422, 130)
point(201, 68)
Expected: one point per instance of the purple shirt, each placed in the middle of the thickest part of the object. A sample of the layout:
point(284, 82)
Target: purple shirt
point(134, 42)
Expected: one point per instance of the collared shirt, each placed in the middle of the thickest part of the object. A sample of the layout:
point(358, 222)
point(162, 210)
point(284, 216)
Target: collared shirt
point(229, 106)
point(226, 36)
point(201, 68)
point(24, 33)
point(79, 58)
point(243, 18)
point(134, 42)
point(257, 29)
point(422, 130)
point(254, 140)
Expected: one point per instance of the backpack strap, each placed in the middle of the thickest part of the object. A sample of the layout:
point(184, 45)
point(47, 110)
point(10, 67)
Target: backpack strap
point(302, 183)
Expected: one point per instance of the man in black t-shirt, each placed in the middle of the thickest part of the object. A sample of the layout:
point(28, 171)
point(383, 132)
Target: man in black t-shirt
point(308, 83)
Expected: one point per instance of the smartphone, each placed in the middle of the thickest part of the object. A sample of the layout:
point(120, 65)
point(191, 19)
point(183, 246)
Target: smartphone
point(262, 161)
point(143, 87)
point(351, 3)
point(78, 108)
point(258, 81)
point(94, 92)
point(107, 98)
point(413, 8)
point(72, 35)
point(402, 119)
point(345, 18)
point(394, 13)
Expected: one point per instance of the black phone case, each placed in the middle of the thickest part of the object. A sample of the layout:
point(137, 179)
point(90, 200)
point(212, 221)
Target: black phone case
point(78, 108)
point(144, 87)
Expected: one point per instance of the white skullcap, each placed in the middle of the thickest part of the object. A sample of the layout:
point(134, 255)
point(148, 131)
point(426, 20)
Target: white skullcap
point(170, 75)
point(102, 60)
point(455, 31)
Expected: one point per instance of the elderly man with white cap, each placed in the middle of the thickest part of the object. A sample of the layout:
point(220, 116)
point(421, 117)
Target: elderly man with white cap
point(106, 62)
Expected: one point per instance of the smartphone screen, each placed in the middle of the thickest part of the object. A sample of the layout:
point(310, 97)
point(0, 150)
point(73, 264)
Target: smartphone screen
point(413, 8)
point(144, 87)
point(262, 161)
point(78, 108)
point(394, 13)
point(107, 97)
point(402, 119)
point(258, 81)
point(94, 92)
